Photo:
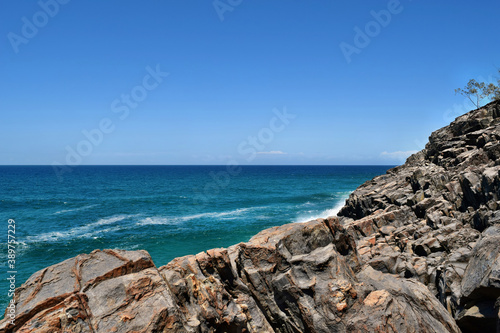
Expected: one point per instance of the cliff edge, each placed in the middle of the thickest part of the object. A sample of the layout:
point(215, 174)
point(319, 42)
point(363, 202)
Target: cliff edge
point(414, 250)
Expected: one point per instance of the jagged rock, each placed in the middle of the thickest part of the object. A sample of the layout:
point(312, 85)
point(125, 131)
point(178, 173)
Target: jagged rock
point(384, 310)
point(482, 277)
point(414, 250)
point(452, 188)
point(293, 278)
point(103, 291)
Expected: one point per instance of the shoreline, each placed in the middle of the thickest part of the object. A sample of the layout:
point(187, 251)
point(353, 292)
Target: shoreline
point(87, 224)
point(415, 248)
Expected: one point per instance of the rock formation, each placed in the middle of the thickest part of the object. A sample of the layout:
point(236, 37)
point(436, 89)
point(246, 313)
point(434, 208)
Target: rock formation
point(437, 218)
point(414, 250)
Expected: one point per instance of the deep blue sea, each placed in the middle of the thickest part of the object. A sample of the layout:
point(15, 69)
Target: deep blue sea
point(169, 211)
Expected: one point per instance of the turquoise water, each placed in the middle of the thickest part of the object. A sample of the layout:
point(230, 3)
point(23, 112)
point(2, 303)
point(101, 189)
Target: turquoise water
point(169, 211)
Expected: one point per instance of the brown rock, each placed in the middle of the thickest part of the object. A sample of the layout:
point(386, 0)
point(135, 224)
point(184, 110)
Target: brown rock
point(413, 251)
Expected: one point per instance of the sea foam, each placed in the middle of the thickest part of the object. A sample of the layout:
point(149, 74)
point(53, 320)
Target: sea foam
point(85, 231)
point(64, 211)
point(323, 214)
point(172, 220)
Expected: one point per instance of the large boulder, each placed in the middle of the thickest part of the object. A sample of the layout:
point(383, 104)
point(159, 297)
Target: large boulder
point(104, 291)
point(481, 285)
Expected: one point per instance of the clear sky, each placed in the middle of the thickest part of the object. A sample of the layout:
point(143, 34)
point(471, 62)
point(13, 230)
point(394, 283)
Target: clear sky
point(253, 81)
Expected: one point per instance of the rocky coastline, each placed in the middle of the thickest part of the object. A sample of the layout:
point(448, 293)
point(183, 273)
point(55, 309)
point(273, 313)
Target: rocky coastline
point(414, 250)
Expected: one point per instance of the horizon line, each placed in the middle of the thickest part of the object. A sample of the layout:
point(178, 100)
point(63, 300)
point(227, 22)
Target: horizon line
point(223, 165)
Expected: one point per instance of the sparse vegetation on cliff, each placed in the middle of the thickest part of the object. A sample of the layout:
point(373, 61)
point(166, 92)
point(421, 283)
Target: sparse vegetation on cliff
point(478, 91)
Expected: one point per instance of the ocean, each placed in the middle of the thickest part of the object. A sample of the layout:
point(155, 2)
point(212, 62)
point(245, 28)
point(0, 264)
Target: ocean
point(170, 211)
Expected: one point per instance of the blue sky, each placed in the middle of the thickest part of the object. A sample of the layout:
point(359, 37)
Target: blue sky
point(256, 82)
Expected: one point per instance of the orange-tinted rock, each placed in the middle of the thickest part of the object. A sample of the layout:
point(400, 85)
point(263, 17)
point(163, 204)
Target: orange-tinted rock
point(413, 250)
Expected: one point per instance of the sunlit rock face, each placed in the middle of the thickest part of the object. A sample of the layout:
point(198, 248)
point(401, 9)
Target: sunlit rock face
point(414, 250)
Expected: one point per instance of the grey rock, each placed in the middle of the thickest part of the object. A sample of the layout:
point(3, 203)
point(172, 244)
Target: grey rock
point(414, 250)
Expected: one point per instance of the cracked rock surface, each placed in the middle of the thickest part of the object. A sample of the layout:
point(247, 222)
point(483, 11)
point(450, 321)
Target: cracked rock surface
point(414, 250)
point(436, 219)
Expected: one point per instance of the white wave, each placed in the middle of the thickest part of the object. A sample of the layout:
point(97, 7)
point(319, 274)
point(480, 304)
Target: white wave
point(166, 220)
point(94, 234)
point(47, 237)
point(323, 214)
point(74, 209)
point(235, 212)
point(112, 219)
point(84, 231)
point(225, 215)
point(155, 220)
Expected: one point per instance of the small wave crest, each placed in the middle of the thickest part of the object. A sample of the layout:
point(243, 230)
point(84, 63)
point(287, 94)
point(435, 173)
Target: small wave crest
point(165, 220)
point(322, 214)
point(231, 213)
point(155, 220)
point(85, 231)
point(64, 211)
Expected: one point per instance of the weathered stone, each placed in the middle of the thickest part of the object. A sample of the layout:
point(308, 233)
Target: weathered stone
point(385, 310)
point(482, 276)
point(413, 251)
point(454, 186)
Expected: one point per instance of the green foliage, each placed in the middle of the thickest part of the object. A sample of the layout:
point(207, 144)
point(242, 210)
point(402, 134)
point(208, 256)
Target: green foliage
point(493, 91)
point(477, 91)
point(474, 91)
